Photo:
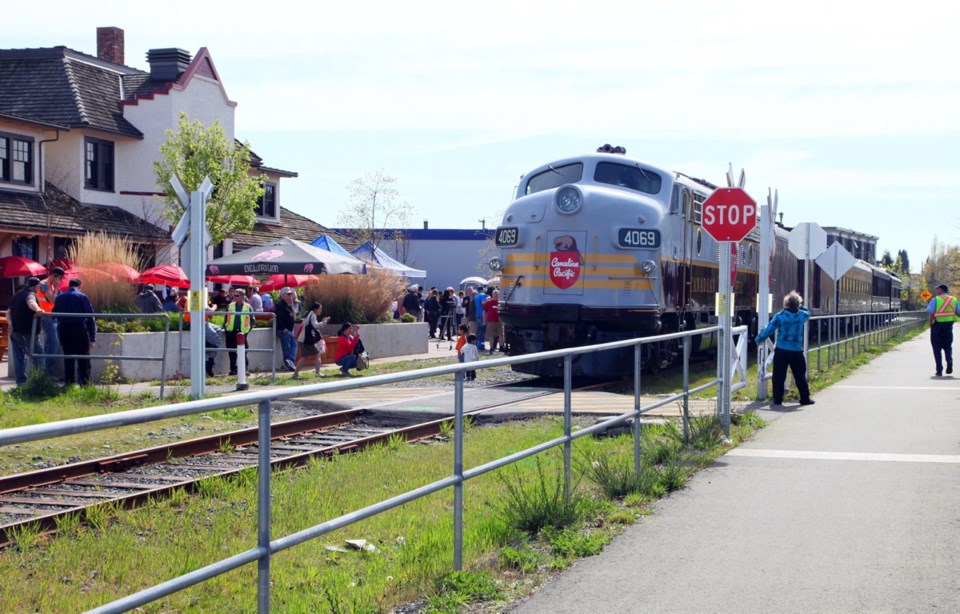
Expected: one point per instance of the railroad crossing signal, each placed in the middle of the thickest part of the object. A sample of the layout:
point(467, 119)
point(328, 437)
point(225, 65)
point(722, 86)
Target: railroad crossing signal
point(926, 296)
point(729, 214)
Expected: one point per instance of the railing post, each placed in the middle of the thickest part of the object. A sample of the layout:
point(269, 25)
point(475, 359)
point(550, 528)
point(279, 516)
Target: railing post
point(819, 344)
point(163, 362)
point(846, 336)
point(567, 424)
point(458, 472)
point(686, 389)
point(637, 351)
point(263, 507)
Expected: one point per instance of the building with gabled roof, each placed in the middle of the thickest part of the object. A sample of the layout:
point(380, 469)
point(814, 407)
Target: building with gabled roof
point(79, 135)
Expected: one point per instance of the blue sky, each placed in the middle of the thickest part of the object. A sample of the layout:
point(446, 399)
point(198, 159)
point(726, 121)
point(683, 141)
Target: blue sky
point(852, 111)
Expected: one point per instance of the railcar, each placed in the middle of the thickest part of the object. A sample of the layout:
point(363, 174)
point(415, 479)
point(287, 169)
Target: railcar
point(606, 247)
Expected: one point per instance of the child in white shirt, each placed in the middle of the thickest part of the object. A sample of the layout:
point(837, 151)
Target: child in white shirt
point(470, 354)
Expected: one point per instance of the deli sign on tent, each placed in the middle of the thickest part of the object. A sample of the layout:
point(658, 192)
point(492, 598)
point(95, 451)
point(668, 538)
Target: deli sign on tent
point(729, 214)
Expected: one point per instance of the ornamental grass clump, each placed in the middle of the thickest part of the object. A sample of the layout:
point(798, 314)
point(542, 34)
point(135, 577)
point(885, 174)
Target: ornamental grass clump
point(90, 254)
point(361, 299)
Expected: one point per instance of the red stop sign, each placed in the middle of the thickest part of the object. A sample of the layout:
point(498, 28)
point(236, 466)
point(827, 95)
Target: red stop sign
point(729, 214)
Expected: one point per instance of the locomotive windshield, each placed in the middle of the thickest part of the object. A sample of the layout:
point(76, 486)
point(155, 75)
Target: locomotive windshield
point(555, 177)
point(630, 177)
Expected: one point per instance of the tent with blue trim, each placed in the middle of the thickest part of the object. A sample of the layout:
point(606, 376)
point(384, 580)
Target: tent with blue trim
point(326, 242)
point(377, 257)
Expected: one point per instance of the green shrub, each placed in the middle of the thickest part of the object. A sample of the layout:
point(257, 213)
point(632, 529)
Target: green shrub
point(523, 559)
point(570, 543)
point(616, 474)
point(408, 318)
point(459, 588)
point(673, 477)
point(531, 507)
point(705, 432)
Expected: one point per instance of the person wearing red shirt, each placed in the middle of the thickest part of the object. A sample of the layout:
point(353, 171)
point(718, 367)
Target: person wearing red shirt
point(348, 337)
point(491, 319)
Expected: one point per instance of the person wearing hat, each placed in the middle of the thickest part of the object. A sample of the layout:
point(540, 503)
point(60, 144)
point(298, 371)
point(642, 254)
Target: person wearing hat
point(944, 311)
point(411, 302)
point(78, 334)
point(286, 320)
point(23, 309)
point(148, 301)
point(238, 320)
point(47, 293)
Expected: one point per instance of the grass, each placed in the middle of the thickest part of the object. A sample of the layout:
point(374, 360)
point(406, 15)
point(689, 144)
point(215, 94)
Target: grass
point(120, 552)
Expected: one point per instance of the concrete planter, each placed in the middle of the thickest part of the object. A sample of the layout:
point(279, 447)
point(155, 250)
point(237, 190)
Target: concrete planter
point(380, 340)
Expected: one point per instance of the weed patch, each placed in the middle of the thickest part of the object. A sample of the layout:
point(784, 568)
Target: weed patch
point(531, 506)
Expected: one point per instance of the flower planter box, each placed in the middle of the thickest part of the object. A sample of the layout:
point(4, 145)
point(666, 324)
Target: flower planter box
point(380, 340)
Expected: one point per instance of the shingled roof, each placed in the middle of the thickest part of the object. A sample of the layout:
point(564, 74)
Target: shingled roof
point(294, 226)
point(54, 212)
point(67, 88)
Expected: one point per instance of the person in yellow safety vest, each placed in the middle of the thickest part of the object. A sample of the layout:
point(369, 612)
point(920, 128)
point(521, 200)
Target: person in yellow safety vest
point(944, 311)
point(237, 324)
point(47, 293)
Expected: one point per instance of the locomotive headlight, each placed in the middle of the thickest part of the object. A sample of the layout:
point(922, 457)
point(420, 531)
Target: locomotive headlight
point(568, 199)
point(495, 264)
point(648, 266)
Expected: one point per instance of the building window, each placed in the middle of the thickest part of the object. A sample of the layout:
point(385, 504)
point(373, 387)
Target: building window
point(267, 204)
point(16, 159)
point(99, 164)
point(26, 247)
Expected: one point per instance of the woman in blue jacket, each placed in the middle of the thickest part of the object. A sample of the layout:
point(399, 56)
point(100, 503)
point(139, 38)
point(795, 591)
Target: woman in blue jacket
point(789, 352)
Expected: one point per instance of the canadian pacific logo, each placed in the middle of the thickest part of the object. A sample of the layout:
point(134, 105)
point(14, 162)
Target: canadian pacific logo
point(565, 262)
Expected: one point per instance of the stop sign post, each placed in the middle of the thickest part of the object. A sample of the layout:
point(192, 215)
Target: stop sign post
point(728, 215)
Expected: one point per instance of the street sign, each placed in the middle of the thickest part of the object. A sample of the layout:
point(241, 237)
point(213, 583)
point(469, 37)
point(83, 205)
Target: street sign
point(807, 241)
point(729, 214)
point(836, 261)
point(926, 296)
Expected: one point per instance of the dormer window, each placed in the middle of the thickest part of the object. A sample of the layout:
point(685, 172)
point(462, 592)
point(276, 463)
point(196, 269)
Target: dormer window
point(267, 204)
point(16, 159)
point(98, 164)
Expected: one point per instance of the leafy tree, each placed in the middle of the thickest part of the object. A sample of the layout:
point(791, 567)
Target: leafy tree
point(904, 260)
point(195, 151)
point(374, 207)
point(886, 261)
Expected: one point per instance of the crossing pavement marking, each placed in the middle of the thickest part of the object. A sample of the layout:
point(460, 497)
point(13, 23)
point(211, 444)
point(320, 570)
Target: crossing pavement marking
point(896, 387)
point(848, 456)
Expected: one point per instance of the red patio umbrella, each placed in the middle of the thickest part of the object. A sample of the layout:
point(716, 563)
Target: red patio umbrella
point(275, 282)
point(234, 280)
point(168, 274)
point(84, 274)
point(121, 271)
point(18, 266)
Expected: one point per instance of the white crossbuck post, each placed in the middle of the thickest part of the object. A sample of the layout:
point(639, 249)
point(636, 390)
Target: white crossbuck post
point(194, 217)
point(768, 243)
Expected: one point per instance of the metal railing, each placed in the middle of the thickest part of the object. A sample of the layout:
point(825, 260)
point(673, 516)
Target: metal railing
point(842, 336)
point(162, 359)
point(272, 350)
point(266, 546)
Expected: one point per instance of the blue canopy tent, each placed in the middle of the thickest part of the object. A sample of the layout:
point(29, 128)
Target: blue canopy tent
point(378, 257)
point(326, 242)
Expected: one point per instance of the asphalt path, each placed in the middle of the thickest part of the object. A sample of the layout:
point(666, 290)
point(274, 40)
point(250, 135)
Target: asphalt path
point(849, 505)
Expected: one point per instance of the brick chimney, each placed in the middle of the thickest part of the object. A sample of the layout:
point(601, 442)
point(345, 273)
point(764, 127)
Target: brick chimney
point(110, 44)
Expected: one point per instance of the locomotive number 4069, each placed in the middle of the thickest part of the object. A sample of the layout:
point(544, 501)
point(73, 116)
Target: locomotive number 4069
point(638, 237)
point(506, 236)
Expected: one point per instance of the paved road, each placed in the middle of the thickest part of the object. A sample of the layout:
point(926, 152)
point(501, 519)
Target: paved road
point(850, 505)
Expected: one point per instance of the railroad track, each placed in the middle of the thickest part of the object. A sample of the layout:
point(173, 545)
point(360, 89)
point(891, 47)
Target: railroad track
point(41, 498)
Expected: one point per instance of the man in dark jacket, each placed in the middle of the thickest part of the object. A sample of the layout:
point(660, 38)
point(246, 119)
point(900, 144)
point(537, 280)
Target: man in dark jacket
point(285, 323)
point(411, 302)
point(148, 301)
point(78, 334)
point(23, 309)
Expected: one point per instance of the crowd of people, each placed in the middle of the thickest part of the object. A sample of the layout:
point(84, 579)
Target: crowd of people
point(444, 312)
